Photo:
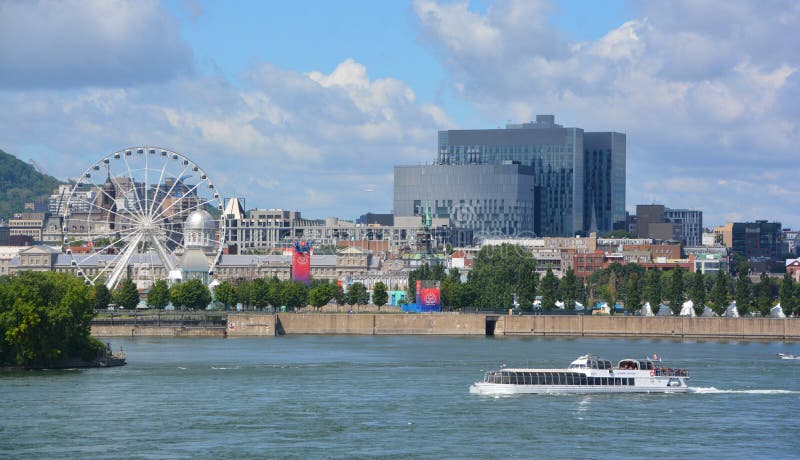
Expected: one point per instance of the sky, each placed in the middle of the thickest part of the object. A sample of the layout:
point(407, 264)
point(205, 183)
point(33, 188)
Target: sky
point(309, 105)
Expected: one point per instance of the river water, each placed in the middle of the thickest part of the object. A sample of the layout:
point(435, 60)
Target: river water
point(399, 396)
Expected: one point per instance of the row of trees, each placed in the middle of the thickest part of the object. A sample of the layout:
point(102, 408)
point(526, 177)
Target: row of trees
point(45, 317)
point(258, 293)
point(501, 272)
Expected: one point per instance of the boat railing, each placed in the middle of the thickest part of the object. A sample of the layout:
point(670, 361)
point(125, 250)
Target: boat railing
point(669, 372)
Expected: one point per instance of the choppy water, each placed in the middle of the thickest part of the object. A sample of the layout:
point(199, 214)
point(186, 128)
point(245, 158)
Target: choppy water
point(345, 397)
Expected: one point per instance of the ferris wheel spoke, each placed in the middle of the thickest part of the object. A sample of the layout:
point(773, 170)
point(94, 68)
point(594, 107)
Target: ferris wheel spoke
point(138, 206)
point(135, 211)
point(146, 183)
point(121, 261)
point(188, 192)
point(103, 209)
point(184, 212)
point(163, 254)
point(157, 190)
point(155, 214)
point(103, 250)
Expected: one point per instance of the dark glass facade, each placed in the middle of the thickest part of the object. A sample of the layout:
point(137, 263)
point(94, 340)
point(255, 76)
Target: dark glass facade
point(555, 153)
point(604, 184)
point(488, 199)
point(578, 178)
point(760, 239)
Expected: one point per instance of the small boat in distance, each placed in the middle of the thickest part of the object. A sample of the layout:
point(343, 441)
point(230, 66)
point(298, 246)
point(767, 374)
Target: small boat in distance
point(788, 356)
point(587, 374)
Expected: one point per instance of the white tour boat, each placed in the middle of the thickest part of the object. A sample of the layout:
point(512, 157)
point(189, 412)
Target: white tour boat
point(788, 356)
point(587, 374)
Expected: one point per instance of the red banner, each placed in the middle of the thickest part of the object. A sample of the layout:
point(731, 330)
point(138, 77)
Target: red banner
point(301, 265)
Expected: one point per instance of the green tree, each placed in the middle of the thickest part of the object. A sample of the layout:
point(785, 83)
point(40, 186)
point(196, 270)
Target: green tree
point(676, 290)
point(742, 292)
point(633, 296)
point(192, 294)
point(243, 293)
point(339, 295)
point(45, 317)
point(225, 293)
point(126, 295)
point(379, 294)
point(567, 289)
point(357, 294)
point(652, 290)
point(763, 295)
point(500, 272)
point(275, 292)
point(294, 294)
point(786, 294)
point(548, 290)
point(697, 291)
point(158, 297)
point(101, 297)
point(719, 293)
point(321, 294)
point(260, 294)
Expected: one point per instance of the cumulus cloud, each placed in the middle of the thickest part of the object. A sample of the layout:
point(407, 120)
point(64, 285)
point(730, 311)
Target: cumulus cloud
point(704, 90)
point(281, 138)
point(78, 43)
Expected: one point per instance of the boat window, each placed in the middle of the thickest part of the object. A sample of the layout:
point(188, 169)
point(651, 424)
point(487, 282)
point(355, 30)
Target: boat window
point(584, 380)
point(506, 378)
point(528, 378)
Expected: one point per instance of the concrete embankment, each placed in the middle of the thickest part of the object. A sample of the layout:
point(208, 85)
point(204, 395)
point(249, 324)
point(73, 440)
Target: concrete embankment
point(264, 325)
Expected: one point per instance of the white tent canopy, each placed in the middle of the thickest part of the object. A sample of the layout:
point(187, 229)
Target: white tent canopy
point(777, 312)
point(731, 311)
point(708, 312)
point(647, 310)
point(687, 309)
point(559, 304)
point(578, 305)
point(664, 310)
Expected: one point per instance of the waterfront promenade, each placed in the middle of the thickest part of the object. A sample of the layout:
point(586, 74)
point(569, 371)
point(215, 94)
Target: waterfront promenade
point(473, 324)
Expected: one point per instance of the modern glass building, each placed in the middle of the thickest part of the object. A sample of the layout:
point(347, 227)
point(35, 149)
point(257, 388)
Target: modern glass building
point(579, 178)
point(604, 182)
point(491, 200)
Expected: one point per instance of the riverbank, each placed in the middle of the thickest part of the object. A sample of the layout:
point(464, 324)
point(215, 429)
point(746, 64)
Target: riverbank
point(472, 324)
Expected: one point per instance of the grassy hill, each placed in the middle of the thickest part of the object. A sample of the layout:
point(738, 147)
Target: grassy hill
point(20, 183)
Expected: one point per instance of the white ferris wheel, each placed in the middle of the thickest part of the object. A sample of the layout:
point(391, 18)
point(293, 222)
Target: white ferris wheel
point(135, 213)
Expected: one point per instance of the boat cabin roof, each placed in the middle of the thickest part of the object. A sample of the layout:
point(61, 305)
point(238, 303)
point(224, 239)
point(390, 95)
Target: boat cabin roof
point(590, 362)
point(629, 363)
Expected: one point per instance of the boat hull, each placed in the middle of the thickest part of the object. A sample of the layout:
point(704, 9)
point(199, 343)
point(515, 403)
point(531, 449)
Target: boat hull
point(496, 389)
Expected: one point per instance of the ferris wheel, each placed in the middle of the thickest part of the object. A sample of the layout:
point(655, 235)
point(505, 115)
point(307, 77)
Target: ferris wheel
point(127, 215)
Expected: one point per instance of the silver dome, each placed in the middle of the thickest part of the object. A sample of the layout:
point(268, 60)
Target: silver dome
point(200, 220)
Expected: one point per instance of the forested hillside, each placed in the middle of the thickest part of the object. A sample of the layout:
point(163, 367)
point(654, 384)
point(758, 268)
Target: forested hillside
point(20, 183)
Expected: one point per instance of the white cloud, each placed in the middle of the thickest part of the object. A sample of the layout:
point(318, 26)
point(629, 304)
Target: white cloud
point(77, 43)
point(282, 139)
point(703, 90)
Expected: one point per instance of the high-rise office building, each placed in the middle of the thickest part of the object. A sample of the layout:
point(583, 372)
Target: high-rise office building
point(488, 199)
point(579, 178)
point(604, 160)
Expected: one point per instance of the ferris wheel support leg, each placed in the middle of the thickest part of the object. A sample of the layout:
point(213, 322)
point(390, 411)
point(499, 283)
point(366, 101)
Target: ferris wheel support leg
point(163, 254)
point(122, 263)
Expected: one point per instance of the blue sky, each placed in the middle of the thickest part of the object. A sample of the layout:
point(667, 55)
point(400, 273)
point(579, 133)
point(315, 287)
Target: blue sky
point(308, 106)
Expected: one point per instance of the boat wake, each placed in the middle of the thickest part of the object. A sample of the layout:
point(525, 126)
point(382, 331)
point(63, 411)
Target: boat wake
point(712, 390)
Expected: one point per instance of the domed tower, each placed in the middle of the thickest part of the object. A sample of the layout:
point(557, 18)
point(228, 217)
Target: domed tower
point(199, 232)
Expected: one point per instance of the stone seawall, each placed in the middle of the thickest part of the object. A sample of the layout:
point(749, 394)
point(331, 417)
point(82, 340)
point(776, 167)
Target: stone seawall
point(637, 326)
point(270, 325)
point(122, 330)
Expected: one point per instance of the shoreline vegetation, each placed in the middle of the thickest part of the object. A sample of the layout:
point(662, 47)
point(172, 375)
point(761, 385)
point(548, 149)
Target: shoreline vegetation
point(45, 323)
